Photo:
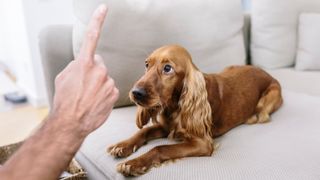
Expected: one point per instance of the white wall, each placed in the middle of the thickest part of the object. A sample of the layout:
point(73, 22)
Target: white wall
point(3, 53)
point(15, 51)
point(21, 22)
point(246, 5)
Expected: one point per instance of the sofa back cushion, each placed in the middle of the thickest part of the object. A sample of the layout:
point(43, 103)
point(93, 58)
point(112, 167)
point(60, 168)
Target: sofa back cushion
point(210, 29)
point(274, 30)
point(308, 54)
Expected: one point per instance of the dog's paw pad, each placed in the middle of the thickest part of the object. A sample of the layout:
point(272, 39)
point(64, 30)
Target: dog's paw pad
point(121, 150)
point(263, 118)
point(252, 120)
point(131, 170)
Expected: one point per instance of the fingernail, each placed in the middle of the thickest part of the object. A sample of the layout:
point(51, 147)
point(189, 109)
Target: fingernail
point(103, 8)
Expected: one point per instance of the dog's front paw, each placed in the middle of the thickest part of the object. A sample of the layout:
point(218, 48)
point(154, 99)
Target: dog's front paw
point(133, 167)
point(122, 149)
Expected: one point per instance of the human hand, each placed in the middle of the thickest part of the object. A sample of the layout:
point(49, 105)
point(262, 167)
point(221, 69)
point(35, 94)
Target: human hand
point(83, 100)
point(84, 92)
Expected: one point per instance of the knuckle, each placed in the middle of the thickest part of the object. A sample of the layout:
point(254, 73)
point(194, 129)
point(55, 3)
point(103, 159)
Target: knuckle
point(100, 65)
point(102, 70)
point(101, 73)
point(85, 61)
point(111, 82)
point(99, 62)
point(106, 71)
point(116, 92)
point(58, 78)
point(98, 57)
point(88, 63)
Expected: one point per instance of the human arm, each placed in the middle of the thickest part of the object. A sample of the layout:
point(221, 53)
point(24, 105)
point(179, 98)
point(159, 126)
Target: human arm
point(84, 98)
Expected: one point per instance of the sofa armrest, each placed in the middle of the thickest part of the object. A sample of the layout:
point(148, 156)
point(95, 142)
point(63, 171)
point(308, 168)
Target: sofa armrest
point(56, 52)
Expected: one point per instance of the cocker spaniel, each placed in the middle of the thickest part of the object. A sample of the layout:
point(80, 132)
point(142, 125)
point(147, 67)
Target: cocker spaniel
point(192, 107)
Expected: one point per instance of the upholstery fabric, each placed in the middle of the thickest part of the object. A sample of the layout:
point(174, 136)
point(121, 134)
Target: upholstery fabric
point(308, 55)
point(298, 81)
point(287, 148)
point(93, 157)
point(210, 29)
point(274, 30)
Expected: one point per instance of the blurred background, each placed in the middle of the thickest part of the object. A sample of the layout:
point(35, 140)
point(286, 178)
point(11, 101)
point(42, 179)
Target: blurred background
point(21, 22)
point(20, 65)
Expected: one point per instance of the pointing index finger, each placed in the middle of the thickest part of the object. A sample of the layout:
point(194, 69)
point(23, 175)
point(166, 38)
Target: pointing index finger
point(90, 41)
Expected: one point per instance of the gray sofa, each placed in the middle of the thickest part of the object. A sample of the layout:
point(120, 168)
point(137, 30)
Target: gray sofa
point(286, 148)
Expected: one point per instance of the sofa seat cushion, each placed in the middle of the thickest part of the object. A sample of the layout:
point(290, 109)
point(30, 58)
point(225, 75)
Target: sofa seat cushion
point(286, 148)
point(298, 81)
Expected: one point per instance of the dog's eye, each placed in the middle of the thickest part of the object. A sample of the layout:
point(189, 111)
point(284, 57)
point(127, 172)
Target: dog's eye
point(167, 69)
point(147, 65)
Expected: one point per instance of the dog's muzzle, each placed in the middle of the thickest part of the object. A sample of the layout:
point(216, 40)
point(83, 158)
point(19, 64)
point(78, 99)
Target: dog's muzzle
point(138, 93)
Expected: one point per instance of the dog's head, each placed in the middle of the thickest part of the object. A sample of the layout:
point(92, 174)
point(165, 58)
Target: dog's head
point(163, 80)
point(173, 82)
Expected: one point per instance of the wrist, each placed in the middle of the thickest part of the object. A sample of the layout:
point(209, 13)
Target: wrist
point(69, 121)
point(66, 135)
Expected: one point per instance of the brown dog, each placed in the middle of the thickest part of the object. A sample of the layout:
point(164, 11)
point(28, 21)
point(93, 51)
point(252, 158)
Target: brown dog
point(192, 107)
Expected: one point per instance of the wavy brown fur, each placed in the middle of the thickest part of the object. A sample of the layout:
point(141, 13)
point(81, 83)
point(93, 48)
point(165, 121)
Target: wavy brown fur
point(192, 107)
point(195, 110)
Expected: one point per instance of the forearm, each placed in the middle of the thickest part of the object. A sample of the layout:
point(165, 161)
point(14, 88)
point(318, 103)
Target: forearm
point(84, 97)
point(45, 154)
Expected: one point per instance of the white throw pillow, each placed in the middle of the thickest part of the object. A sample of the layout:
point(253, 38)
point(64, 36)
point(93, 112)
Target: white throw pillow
point(210, 29)
point(308, 55)
point(274, 30)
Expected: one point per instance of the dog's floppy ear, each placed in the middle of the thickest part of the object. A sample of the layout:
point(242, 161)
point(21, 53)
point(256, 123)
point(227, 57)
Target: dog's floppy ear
point(144, 115)
point(195, 110)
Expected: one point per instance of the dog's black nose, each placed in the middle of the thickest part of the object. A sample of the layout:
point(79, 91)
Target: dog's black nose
point(139, 93)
